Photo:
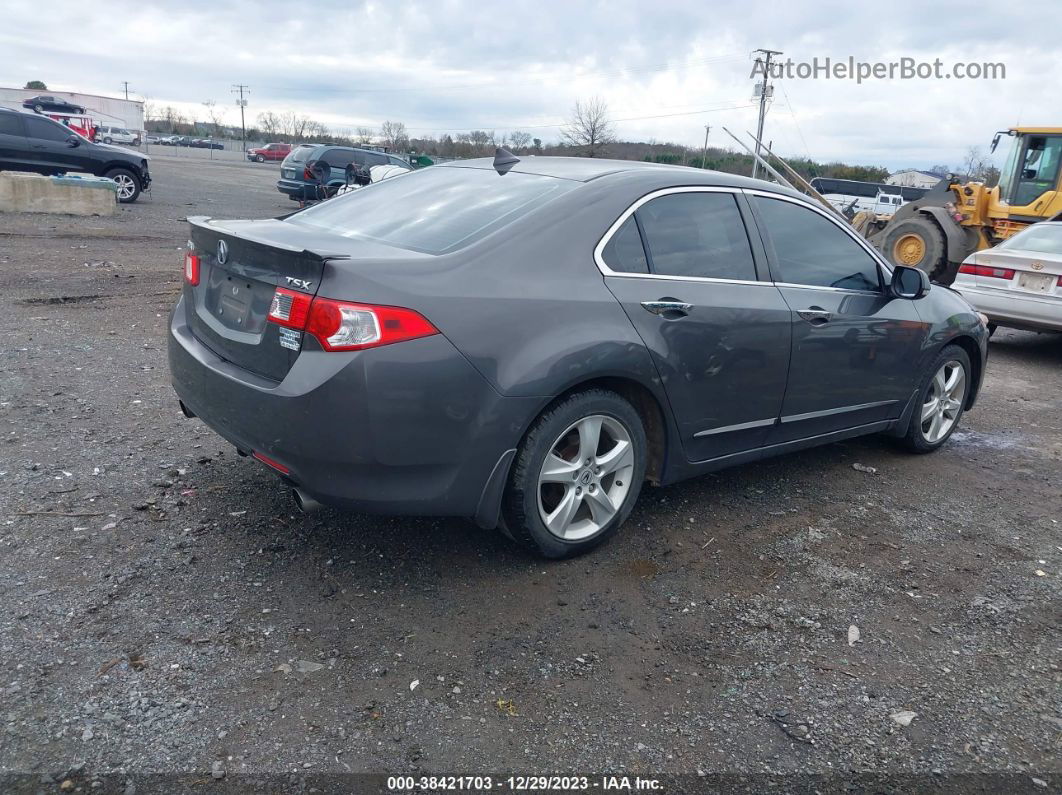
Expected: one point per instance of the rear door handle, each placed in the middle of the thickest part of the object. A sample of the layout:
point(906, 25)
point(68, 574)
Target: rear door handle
point(667, 308)
point(815, 316)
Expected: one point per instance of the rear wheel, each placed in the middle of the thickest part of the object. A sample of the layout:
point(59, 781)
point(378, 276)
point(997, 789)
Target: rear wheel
point(128, 184)
point(941, 401)
point(917, 243)
point(577, 474)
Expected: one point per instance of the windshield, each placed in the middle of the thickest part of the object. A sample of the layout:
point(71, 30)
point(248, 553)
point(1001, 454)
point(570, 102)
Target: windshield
point(1041, 238)
point(436, 210)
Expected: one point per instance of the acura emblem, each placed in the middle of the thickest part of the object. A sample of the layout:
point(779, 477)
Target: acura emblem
point(223, 252)
point(1037, 266)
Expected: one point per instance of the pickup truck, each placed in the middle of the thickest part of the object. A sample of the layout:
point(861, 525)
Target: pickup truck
point(272, 152)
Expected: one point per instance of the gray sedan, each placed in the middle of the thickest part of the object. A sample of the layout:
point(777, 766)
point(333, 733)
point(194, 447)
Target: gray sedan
point(527, 343)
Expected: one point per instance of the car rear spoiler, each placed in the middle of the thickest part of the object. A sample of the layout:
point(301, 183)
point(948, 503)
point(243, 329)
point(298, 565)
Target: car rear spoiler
point(208, 224)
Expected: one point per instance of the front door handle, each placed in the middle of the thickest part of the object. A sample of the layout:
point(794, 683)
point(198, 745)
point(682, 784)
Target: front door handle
point(668, 308)
point(815, 316)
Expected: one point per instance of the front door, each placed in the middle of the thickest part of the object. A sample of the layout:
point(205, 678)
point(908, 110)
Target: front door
point(49, 148)
point(682, 266)
point(855, 348)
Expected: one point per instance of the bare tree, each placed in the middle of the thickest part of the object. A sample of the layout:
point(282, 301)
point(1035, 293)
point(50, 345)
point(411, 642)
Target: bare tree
point(315, 129)
point(364, 135)
point(589, 127)
point(215, 114)
point(519, 139)
point(394, 135)
point(975, 164)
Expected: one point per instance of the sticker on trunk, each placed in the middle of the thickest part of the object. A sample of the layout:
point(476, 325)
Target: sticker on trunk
point(290, 338)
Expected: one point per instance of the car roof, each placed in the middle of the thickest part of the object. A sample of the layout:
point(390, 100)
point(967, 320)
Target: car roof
point(586, 169)
point(349, 148)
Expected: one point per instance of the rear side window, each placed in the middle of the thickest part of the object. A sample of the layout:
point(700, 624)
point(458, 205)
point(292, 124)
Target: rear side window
point(10, 124)
point(624, 252)
point(45, 129)
point(338, 158)
point(812, 250)
point(300, 155)
point(697, 234)
point(436, 210)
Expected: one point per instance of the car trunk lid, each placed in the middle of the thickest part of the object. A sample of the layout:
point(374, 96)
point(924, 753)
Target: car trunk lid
point(242, 263)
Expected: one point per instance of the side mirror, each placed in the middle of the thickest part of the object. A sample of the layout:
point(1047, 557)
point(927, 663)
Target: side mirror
point(73, 141)
point(909, 283)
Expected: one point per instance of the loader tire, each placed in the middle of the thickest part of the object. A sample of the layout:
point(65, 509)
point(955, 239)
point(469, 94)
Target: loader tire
point(917, 243)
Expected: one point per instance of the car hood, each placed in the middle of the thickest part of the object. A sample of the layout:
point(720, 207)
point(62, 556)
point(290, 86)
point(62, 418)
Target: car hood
point(124, 151)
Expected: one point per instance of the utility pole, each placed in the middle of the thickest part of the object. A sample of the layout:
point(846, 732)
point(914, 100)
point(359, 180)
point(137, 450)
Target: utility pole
point(763, 102)
point(126, 84)
point(240, 89)
point(704, 154)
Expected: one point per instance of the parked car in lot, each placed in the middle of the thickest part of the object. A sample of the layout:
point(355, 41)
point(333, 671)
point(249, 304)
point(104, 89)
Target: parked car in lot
point(42, 103)
point(29, 142)
point(152, 139)
point(527, 343)
point(299, 183)
point(1019, 282)
point(270, 152)
point(117, 135)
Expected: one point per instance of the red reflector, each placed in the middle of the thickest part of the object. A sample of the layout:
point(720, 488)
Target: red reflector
point(290, 308)
point(191, 269)
point(1060, 281)
point(270, 462)
point(987, 270)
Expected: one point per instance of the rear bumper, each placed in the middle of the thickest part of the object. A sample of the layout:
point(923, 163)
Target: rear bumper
point(410, 428)
point(294, 189)
point(1008, 308)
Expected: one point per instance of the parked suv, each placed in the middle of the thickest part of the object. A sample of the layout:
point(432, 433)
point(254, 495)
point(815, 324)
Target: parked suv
point(298, 183)
point(117, 135)
point(272, 152)
point(29, 142)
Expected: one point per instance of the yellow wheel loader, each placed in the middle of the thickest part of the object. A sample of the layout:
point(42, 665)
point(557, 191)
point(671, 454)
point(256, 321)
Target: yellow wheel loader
point(953, 220)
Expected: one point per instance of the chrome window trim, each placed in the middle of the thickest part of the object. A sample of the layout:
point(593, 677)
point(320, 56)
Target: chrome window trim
point(600, 247)
point(812, 415)
point(847, 229)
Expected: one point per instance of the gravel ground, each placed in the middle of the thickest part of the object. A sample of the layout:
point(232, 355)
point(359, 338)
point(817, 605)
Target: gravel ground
point(164, 610)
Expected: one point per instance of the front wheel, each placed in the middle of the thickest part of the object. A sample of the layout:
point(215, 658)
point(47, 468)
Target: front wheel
point(259, 158)
point(577, 474)
point(941, 402)
point(128, 184)
point(108, 140)
point(38, 108)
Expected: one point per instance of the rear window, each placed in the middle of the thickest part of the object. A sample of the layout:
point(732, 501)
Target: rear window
point(436, 210)
point(1042, 238)
point(301, 154)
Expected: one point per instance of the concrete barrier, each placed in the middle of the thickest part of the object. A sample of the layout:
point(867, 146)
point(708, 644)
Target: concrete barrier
point(69, 195)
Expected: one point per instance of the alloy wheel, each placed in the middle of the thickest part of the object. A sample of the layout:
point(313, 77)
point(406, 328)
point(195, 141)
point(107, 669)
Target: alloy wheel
point(126, 186)
point(585, 477)
point(944, 401)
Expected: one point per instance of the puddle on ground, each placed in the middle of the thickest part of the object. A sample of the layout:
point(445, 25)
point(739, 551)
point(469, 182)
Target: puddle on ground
point(991, 441)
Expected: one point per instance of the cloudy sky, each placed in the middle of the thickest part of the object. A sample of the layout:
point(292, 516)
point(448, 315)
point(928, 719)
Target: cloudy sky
point(665, 68)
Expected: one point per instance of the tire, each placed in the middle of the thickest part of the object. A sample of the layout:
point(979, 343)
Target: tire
point(259, 159)
point(128, 184)
point(108, 140)
point(917, 243)
point(38, 108)
point(920, 436)
point(588, 509)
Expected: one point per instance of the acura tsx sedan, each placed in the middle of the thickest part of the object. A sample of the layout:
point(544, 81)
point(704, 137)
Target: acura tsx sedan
point(526, 343)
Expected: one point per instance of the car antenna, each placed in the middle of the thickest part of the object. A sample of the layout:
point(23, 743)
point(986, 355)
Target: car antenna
point(504, 160)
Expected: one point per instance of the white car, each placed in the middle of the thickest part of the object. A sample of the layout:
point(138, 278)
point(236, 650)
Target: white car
point(1019, 282)
point(117, 135)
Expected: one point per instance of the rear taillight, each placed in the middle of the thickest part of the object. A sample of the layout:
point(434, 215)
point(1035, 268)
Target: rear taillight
point(344, 326)
point(191, 269)
point(307, 174)
point(987, 270)
point(290, 308)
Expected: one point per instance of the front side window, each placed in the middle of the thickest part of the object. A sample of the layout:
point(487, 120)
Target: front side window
point(697, 234)
point(45, 129)
point(812, 250)
point(1039, 169)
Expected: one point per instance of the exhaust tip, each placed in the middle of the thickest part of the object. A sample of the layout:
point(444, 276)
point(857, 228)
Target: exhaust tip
point(304, 501)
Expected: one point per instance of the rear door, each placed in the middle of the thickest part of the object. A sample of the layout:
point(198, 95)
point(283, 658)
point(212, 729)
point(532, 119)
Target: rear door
point(683, 266)
point(856, 349)
point(14, 148)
